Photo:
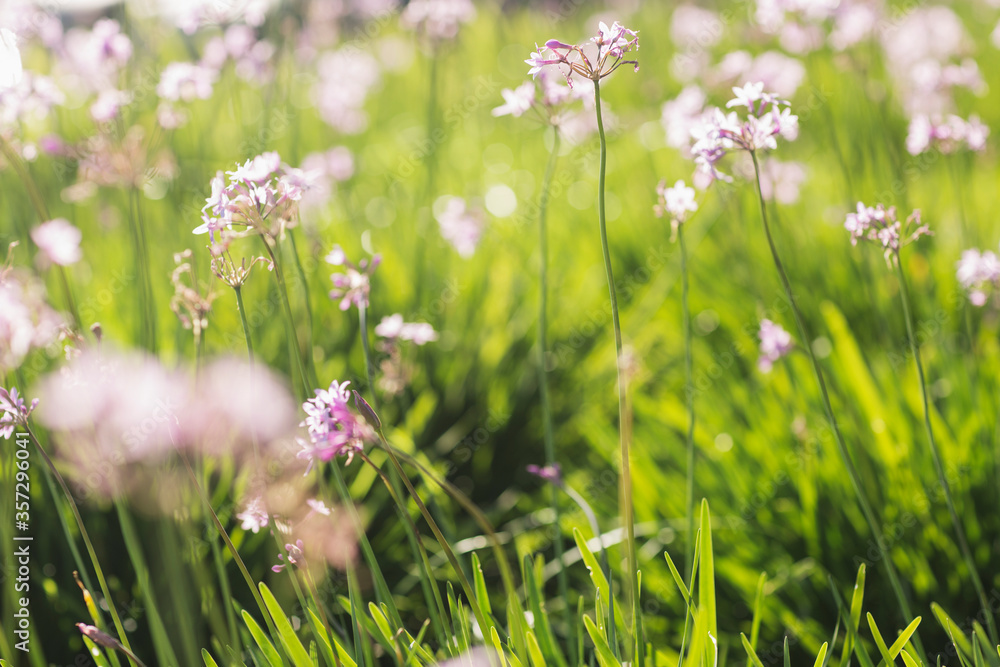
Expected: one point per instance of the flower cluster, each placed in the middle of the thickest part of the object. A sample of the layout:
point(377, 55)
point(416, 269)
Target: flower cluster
point(545, 94)
point(550, 473)
point(460, 225)
point(259, 199)
point(611, 44)
point(59, 241)
point(979, 273)
point(354, 285)
point(334, 428)
point(15, 412)
point(675, 202)
point(394, 328)
point(879, 225)
point(947, 134)
point(27, 321)
point(775, 343)
point(722, 133)
point(438, 20)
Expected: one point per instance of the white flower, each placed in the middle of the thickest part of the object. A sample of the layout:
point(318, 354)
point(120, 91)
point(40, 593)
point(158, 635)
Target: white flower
point(10, 60)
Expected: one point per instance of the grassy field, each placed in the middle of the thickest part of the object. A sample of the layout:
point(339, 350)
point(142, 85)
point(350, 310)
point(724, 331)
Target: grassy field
point(787, 535)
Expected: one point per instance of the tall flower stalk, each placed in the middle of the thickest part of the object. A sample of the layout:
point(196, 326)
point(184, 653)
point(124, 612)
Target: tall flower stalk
point(769, 117)
point(595, 60)
point(881, 226)
point(676, 202)
point(845, 455)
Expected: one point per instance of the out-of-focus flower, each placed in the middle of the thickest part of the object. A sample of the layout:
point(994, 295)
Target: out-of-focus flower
point(106, 161)
point(186, 81)
point(782, 180)
point(334, 428)
point(682, 114)
point(438, 20)
point(776, 71)
point(188, 303)
point(329, 168)
point(354, 285)
point(234, 405)
point(31, 97)
point(546, 95)
point(108, 104)
point(59, 241)
point(253, 516)
point(516, 101)
point(854, 21)
point(979, 273)
point(879, 225)
point(694, 27)
point(461, 226)
point(10, 60)
point(946, 134)
point(15, 412)
point(95, 57)
point(675, 202)
point(295, 556)
point(550, 473)
point(393, 327)
point(27, 321)
point(595, 60)
point(775, 343)
point(722, 133)
point(345, 77)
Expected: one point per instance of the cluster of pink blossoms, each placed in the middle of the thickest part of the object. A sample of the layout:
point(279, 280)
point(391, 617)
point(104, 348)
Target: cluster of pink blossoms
point(979, 273)
point(607, 51)
point(354, 285)
point(15, 412)
point(775, 343)
point(259, 199)
point(721, 133)
point(334, 428)
point(947, 134)
point(879, 225)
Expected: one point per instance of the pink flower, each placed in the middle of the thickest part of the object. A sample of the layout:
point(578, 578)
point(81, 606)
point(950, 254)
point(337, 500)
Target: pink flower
point(945, 133)
point(979, 273)
point(253, 516)
point(612, 45)
point(460, 226)
point(186, 81)
point(720, 133)
point(59, 241)
point(675, 202)
point(352, 286)
point(10, 60)
point(393, 327)
point(550, 473)
point(27, 321)
point(782, 180)
point(879, 225)
point(775, 343)
point(439, 20)
point(15, 412)
point(295, 556)
point(108, 104)
point(334, 428)
point(516, 101)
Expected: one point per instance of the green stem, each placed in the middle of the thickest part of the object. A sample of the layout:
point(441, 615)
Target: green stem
point(122, 636)
point(543, 383)
point(633, 570)
point(366, 350)
point(845, 455)
point(243, 318)
point(309, 313)
point(293, 343)
point(438, 535)
point(231, 547)
point(689, 393)
point(963, 543)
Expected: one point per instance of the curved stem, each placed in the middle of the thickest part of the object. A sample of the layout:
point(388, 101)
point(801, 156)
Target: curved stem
point(122, 636)
point(633, 570)
point(845, 455)
point(963, 543)
point(689, 392)
point(543, 383)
